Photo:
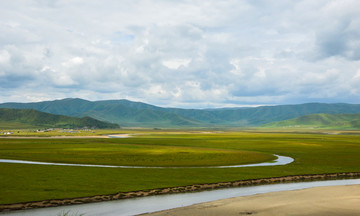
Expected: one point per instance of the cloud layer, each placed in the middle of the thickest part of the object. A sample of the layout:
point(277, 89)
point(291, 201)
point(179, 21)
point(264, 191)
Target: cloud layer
point(181, 53)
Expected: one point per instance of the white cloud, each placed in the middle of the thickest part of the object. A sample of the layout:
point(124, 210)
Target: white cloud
point(192, 54)
point(73, 62)
point(176, 63)
point(4, 57)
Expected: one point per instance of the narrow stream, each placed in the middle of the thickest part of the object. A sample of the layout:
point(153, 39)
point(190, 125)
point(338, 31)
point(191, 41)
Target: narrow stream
point(142, 205)
point(281, 160)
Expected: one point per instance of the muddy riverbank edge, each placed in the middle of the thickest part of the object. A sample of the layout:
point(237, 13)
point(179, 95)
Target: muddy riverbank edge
point(179, 189)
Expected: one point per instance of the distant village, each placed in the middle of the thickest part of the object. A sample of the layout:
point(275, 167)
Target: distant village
point(61, 130)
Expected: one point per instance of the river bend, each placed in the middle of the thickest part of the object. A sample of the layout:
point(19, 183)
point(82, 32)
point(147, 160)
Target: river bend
point(281, 160)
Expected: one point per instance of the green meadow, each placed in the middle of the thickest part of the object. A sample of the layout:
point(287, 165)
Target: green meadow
point(111, 152)
point(315, 152)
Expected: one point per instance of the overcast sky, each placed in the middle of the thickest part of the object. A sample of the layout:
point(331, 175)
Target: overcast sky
point(173, 53)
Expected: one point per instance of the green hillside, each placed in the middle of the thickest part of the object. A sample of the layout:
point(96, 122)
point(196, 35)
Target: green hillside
point(29, 118)
point(136, 114)
point(257, 116)
point(340, 121)
point(122, 112)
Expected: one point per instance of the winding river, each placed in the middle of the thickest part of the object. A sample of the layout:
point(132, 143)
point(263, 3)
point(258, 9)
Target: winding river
point(134, 206)
point(281, 160)
point(142, 205)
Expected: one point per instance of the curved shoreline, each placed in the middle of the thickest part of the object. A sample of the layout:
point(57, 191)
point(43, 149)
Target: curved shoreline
point(319, 200)
point(171, 190)
point(281, 160)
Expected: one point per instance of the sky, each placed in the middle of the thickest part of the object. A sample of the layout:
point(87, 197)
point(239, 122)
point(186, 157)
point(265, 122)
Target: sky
point(181, 53)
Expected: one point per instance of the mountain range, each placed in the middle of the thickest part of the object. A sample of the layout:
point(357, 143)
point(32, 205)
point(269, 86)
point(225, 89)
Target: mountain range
point(29, 118)
point(137, 114)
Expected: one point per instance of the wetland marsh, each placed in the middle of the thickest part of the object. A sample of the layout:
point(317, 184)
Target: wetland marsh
point(313, 153)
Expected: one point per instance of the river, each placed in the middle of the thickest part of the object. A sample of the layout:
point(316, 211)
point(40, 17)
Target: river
point(281, 160)
point(142, 205)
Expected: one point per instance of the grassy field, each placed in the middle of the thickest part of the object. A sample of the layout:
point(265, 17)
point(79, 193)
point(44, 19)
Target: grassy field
point(313, 153)
point(111, 152)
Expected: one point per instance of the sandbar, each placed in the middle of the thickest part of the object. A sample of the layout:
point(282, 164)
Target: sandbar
point(330, 200)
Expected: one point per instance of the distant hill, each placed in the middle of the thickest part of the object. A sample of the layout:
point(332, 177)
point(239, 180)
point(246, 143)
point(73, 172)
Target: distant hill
point(123, 112)
point(341, 121)
point(136, 114)
point(29, 118)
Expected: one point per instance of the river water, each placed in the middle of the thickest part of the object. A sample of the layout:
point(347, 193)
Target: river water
point(142, 205)
point(281, 160)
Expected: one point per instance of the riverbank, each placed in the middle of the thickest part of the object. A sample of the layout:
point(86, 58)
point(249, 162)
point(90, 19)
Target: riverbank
point(182, 189)
point(330, 200)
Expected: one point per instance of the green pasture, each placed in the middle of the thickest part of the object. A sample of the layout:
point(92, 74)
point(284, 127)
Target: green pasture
point(111, 152)
point(6, 125)
point(313, 153)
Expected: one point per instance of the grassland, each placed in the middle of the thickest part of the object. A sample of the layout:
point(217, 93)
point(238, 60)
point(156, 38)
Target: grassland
point(323, 121)
point(5, 125)
point(313, 153)
point(110, 152)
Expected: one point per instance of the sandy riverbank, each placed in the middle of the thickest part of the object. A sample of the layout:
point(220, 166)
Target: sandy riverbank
point(332, 200)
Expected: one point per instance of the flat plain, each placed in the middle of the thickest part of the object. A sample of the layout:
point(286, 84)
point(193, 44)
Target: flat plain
point(314, 153)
